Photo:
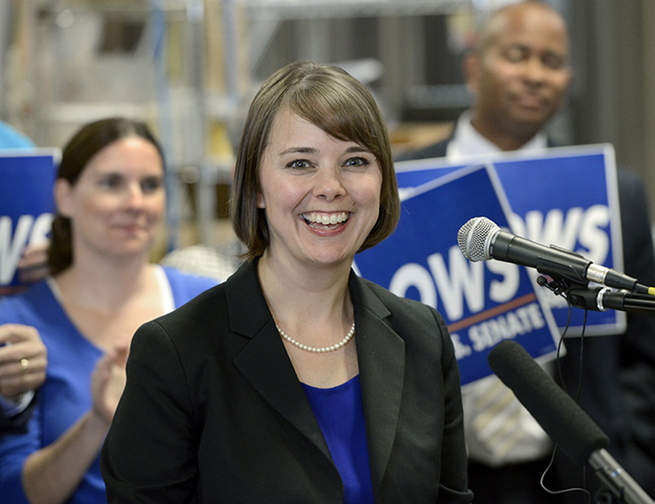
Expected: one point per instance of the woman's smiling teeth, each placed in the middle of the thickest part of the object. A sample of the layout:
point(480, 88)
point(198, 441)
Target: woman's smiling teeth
point(325, 219)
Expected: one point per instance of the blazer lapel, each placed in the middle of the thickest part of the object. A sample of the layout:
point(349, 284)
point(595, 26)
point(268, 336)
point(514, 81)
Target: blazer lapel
point(265, 364)
point(263, 361)
point(381, 354)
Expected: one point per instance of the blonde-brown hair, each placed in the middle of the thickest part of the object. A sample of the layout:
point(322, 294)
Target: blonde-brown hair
point(340, 105)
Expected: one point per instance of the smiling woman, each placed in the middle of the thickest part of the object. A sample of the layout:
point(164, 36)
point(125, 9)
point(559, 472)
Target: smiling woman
point(106, 167)
point(296, 380)
point(120, 195)
point(110, 203)
point(328, 99)
point(315, 187)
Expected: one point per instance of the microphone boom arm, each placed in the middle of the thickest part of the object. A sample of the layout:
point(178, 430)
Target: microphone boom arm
point(580, 295)
point(616, 481)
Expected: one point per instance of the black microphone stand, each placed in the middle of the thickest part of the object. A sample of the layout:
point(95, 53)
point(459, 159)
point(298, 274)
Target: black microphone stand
point(616, 485)
point(598, 298)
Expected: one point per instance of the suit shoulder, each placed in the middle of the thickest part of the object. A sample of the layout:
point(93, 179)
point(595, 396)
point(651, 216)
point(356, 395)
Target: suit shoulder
point(629, 179)
point(205, 305)
point(435, 150)
point(404, 307)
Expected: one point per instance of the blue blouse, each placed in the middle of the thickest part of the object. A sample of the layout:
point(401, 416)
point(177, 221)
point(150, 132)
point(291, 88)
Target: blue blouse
point(340, 416)
point(66, 394)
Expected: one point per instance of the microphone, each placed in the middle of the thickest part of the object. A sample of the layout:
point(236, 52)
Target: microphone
point(481, 239)
point(562, 418)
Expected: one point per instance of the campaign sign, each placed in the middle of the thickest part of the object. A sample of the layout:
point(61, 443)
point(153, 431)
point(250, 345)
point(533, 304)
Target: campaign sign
point(566, 196)
point(26, 207)
point(483, 302)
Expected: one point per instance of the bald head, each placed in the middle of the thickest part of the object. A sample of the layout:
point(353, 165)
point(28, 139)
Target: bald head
point(519, 72)
point(531, 12)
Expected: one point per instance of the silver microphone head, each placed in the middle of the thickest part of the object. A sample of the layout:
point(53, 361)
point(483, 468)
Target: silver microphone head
point(475, 238)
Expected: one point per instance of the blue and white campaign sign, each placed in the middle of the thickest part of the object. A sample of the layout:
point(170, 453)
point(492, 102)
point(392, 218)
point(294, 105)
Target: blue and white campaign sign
point(483, 303)
point(26, 207)
point(566, 196)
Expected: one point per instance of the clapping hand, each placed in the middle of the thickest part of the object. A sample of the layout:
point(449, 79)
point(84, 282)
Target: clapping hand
point(108, 381)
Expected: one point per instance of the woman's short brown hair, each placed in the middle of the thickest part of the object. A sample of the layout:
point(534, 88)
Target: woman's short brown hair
point(340, 105)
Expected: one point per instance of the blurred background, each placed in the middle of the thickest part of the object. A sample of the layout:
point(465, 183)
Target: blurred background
point(189, 67)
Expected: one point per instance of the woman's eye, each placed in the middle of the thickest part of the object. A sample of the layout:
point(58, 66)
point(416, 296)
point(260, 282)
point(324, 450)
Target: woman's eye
point(299, 163)
point(357, 161)
point(152, 185)
point(110, 182)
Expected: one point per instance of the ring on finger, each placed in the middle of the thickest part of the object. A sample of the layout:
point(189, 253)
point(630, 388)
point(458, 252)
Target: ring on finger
point(25, 365)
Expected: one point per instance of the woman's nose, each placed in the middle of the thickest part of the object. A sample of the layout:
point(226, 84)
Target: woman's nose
point(134, 195)
point(329, 184)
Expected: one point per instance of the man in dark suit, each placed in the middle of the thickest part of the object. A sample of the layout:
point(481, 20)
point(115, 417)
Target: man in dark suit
point(519, 73)
point(22, 370)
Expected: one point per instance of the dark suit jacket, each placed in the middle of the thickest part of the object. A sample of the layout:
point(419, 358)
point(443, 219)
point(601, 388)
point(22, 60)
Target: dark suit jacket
point(17, 424)
point(618, 371)
point(435, 150)
point(213, 410)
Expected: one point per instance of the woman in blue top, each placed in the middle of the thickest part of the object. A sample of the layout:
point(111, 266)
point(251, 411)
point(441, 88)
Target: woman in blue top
point(296, 381)
point(110, 202)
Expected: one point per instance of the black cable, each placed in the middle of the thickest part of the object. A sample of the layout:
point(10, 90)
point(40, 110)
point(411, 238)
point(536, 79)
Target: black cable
point(558, 364)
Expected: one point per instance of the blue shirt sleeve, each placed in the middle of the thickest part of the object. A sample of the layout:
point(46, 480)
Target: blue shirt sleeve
point(186, 286)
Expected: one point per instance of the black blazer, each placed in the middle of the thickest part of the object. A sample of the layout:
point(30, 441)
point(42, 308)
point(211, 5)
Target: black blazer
point(618, 371)
point(213, 410)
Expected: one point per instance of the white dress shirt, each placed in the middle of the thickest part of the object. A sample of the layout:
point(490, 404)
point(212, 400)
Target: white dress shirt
point(467, 144)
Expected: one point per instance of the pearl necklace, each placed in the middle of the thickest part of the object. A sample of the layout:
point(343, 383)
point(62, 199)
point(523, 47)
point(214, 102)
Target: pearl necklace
point(308, 348)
